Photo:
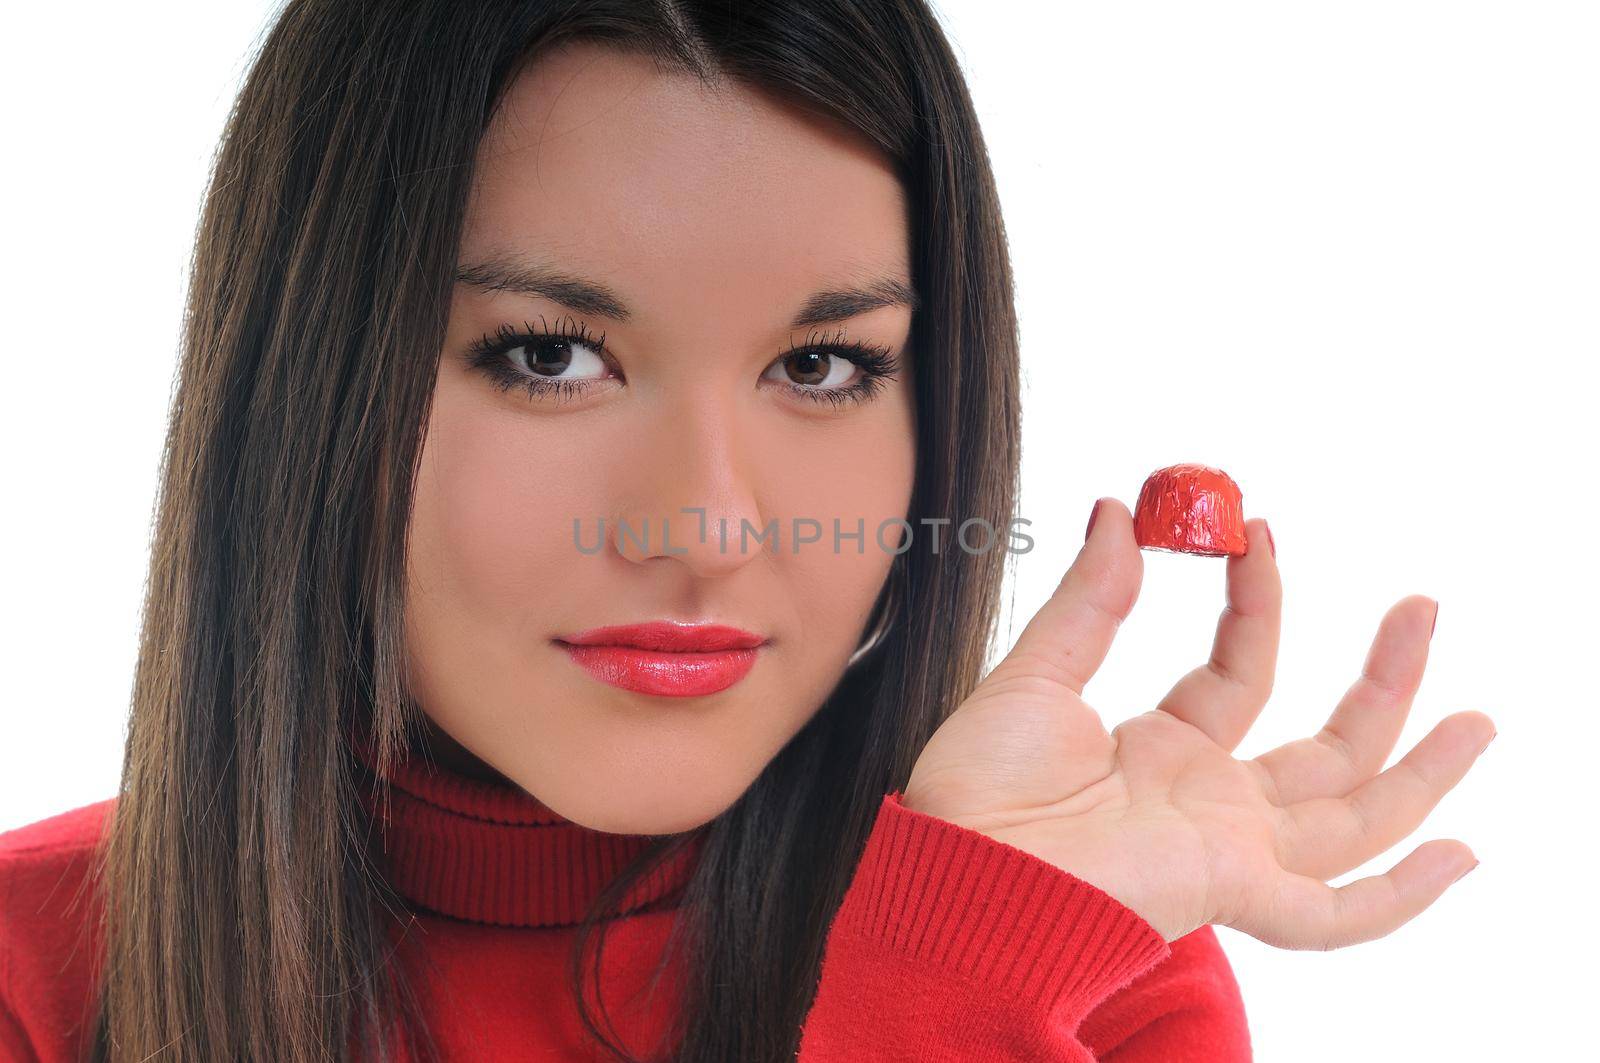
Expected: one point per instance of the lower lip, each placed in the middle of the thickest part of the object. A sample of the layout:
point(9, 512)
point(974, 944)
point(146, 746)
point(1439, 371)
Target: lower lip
point(670, 674)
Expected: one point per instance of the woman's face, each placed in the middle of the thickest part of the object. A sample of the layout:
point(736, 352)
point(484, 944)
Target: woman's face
point(672, 235)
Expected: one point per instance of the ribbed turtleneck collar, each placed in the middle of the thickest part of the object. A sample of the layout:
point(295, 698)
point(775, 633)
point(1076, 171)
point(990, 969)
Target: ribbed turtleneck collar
point(489, 852)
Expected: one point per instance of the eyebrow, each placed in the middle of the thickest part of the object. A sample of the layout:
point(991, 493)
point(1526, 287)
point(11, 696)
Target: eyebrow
point(505, 274)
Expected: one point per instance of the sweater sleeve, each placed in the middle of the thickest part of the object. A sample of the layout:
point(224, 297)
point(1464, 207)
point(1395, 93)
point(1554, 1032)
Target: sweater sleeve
point(950, 945)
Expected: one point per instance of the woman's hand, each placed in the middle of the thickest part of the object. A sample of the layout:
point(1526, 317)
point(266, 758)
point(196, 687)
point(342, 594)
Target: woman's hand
point(1158, 812)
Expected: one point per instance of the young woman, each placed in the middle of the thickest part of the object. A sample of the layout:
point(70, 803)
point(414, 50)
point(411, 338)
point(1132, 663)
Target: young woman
point(426, 759)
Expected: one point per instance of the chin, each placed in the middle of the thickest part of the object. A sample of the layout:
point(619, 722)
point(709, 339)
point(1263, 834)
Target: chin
point(640, 814)
point(648, 820)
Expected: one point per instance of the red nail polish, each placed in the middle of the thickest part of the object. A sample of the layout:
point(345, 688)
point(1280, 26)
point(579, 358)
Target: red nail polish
point(1093, 513)
point(1270, 544)
point(1435, 626)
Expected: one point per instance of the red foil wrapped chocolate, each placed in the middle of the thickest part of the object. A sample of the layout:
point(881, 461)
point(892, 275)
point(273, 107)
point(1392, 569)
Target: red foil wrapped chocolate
point(1190, 509)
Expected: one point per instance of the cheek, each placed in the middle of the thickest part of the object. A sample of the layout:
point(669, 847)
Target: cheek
point(492, 519)
point(862, 477)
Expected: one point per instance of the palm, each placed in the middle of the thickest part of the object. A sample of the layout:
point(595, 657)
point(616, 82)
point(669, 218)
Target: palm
point(1158, 812)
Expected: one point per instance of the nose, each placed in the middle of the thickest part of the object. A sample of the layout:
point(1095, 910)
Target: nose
point(692, 490)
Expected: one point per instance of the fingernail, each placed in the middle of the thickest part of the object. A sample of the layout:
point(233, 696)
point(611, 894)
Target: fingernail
point(1486, 744)
point(1464, 874)
point(1093, 513)
point(1435, 626)
point(1270, 544)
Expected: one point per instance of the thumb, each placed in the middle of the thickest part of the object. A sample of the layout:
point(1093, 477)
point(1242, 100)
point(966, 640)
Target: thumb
point(1070, 635)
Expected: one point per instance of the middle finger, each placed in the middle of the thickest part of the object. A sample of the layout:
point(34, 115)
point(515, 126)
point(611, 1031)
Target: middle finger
point(1367, 722)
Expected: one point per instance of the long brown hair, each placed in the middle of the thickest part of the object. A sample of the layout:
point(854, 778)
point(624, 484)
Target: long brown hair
point(247, 914)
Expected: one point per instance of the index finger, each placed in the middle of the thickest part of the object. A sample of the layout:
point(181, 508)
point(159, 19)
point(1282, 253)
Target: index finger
point(1224, 696)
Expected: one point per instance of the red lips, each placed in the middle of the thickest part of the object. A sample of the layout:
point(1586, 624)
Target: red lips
point(666, 635)
point(665, 658)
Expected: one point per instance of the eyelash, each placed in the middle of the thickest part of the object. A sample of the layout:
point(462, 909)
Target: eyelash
point(488, 354)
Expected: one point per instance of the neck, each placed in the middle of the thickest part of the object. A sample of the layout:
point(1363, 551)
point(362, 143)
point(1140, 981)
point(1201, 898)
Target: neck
point(449, 753)
point(484, 850)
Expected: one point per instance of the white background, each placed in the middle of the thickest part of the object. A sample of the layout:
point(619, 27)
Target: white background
point(1348, 252)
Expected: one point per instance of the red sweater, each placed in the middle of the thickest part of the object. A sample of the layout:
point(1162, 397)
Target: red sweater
point(948, 946)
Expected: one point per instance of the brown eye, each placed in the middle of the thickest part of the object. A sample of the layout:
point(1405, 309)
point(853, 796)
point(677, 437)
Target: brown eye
point(814, 368)
point(551, 359)
point(553, 356)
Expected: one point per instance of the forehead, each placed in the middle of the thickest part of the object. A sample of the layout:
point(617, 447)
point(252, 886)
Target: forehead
point(673, 190)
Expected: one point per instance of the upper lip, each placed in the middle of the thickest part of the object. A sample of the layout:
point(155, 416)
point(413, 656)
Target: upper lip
point(667, 635)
